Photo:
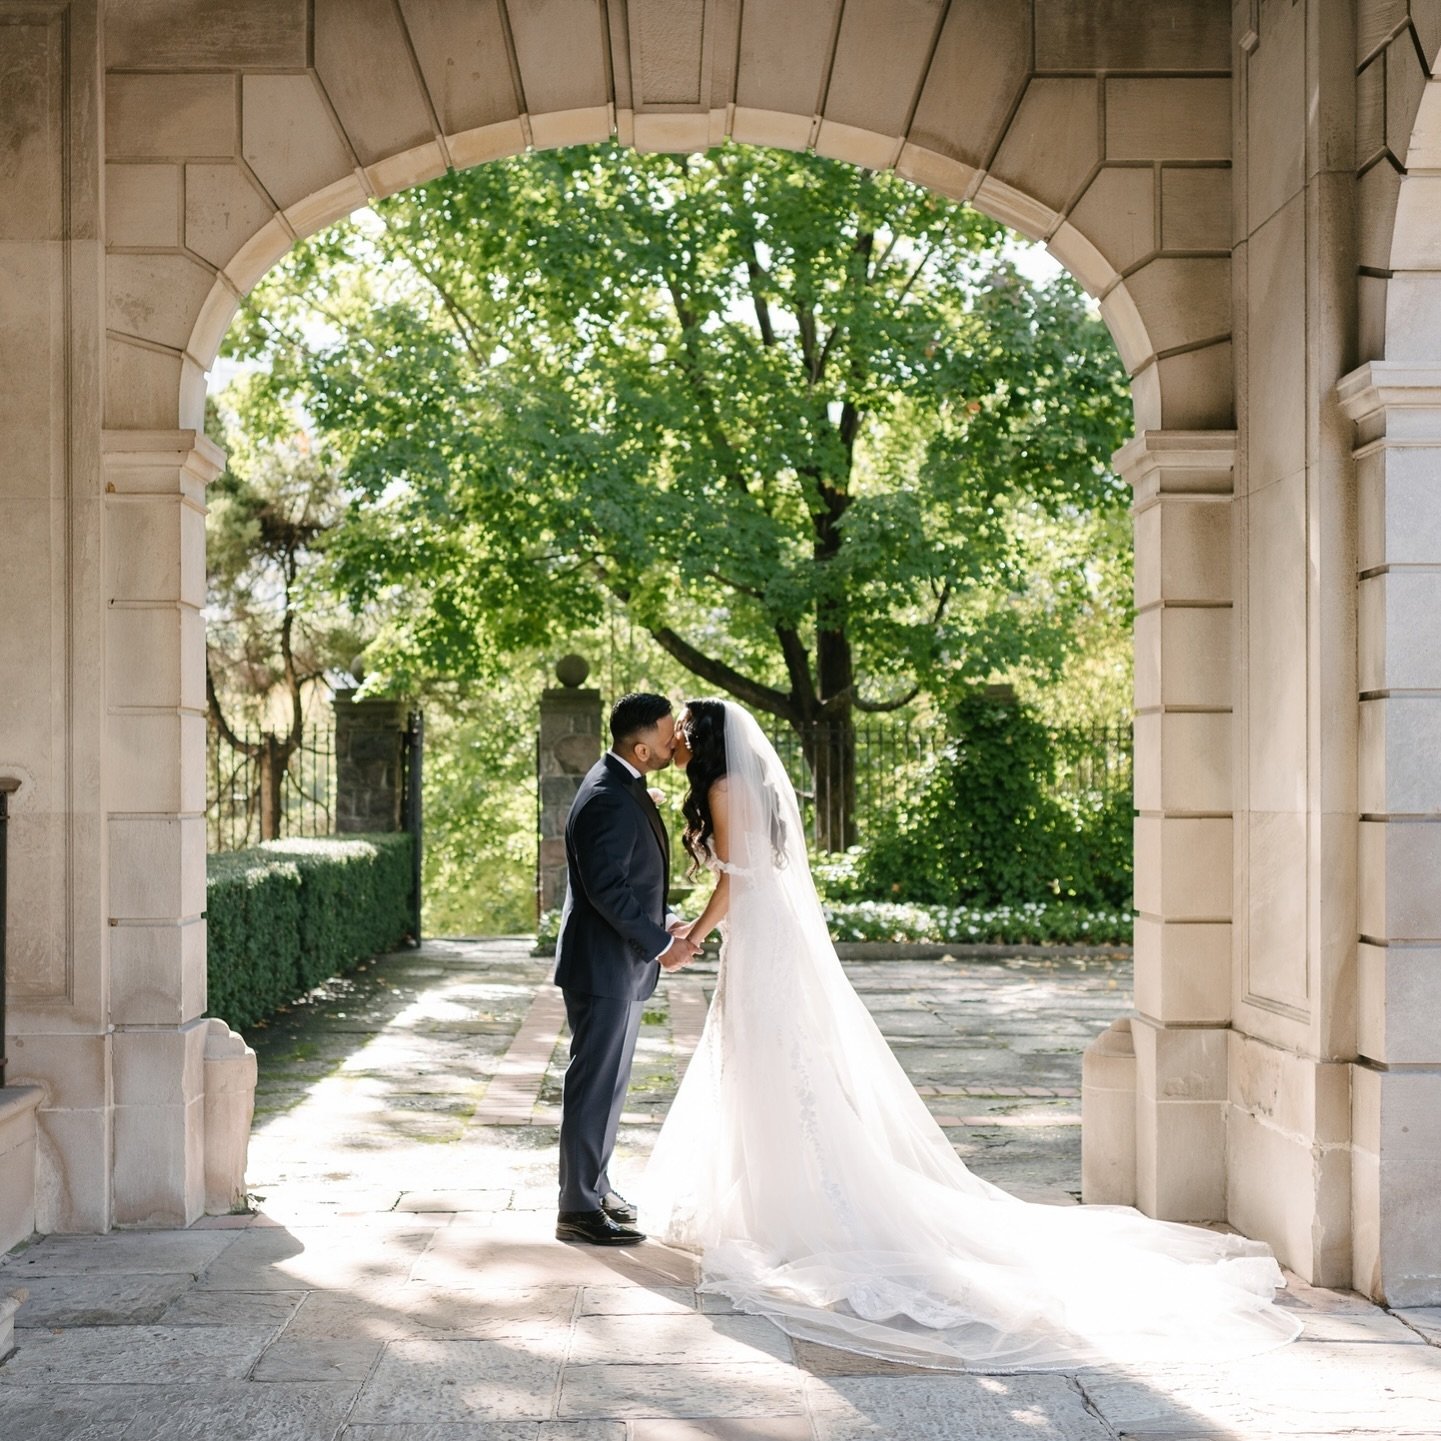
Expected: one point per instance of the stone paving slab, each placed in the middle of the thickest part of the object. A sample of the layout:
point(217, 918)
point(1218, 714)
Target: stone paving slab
point(951, 1408)
point(696, 1390)
point(462, 1380)
point(103, 1300)
point(402, 1253)
point(491, 1431)
point(139, 1355)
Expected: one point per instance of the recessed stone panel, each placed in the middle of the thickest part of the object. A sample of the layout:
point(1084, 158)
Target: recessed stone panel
point(460, 45)
point(223, 210)
point(880, 63)
point(155, 297)
point(1398, 997)
point(1183, 301)
point(1195, 208)
point(1168, 119)
point(1276, 116)
point(1276, 925)
point(1118, 214)
point(170, 115)
point(1198, 388)
point(142, 205)
point(979, 68)
point(1052, 144)
point(1399, 741)
point(1176, 35)
point(560, 48)
point(289, 137)
point(1406, 80)
point(1397, 896)
point(1276, 335)
point(194, 34)
point(363, 61)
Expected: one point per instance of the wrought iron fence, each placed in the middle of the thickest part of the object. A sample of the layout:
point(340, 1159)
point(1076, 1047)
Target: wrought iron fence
point(890, 760)
point(255, 790)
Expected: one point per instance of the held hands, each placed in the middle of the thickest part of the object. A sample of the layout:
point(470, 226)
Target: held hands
point(682, 950)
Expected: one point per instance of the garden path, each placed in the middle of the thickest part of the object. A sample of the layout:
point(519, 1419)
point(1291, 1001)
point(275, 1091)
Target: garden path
point(398, 1280)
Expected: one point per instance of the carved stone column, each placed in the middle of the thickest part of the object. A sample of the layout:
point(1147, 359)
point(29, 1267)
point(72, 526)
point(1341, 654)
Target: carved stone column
point(1396, 1077)
point(155, 816)
point(1182, 485)
point(569, 745)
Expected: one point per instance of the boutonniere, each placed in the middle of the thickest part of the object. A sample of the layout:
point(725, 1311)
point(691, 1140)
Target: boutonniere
point(655, 793)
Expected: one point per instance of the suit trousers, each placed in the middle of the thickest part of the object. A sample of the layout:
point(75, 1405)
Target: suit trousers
point(603, 1031)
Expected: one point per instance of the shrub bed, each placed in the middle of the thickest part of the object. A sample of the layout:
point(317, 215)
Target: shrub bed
point(1031, 924)
point(286, 915)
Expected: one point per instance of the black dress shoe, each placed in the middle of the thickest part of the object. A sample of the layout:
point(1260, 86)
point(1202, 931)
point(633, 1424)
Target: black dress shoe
point(619, 1209)
point(595, 1228)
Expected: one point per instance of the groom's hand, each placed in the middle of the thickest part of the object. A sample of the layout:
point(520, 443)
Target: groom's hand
point(681, 951)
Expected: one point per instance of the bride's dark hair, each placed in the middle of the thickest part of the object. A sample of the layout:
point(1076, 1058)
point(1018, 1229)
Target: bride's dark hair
point(705, 729)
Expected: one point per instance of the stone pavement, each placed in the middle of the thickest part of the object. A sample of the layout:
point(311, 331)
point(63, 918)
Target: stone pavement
point(398, 1280)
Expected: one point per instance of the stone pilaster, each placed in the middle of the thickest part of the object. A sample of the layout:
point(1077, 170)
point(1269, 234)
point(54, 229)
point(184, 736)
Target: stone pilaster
point(155, 816)
point(1396, 1078)
point(1182, 486)
point(569, 744)
point(369, 764)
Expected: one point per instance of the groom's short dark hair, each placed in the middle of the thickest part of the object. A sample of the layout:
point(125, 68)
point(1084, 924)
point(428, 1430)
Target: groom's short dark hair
point(634, 713)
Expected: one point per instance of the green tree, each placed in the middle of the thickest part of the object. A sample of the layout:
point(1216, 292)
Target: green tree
point(273, 629)
point(792, 414)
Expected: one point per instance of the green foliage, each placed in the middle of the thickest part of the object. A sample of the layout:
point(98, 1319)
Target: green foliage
point(986, 827)
point(781, 408)
point(285, 916)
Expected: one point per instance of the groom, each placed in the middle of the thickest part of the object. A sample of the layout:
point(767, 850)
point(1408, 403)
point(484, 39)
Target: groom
point(613, 942)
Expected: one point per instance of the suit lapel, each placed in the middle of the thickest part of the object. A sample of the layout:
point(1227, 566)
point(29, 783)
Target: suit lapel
point(647, 809)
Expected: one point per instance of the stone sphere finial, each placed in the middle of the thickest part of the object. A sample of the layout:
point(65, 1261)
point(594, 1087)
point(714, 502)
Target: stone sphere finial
point(571, 670)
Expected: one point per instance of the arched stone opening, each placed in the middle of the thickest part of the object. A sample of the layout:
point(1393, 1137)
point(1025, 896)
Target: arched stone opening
point(224, 143)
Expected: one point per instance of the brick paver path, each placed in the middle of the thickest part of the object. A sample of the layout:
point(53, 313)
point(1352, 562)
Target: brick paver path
point(399, 1281)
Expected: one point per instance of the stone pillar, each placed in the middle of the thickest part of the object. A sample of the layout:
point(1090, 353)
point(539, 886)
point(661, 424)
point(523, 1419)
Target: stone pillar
point(569, 745)
point(1182, 486)
point(1293, 958)
point(155, 828)
point(369, 764)
point(1396, 1078)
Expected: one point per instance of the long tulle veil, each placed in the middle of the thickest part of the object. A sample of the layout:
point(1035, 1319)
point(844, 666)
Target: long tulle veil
point(799, 1161)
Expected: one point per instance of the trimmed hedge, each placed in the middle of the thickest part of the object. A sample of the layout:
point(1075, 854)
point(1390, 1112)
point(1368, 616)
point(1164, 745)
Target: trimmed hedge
point(287, 915)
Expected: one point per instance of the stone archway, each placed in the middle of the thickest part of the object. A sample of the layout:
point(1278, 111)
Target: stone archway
point(231, 130)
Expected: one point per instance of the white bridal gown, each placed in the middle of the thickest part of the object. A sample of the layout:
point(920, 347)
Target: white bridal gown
point(799, 1161)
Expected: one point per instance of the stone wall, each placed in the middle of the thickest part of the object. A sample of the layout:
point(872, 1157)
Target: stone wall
point(569, 745)
point(369, 764)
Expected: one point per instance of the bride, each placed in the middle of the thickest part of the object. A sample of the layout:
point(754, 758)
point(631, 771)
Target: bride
point(799, 1161)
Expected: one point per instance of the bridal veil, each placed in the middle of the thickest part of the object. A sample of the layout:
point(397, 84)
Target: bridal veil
point(801, 1164)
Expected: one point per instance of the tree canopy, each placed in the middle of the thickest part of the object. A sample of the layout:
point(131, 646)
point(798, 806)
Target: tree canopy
point(805, 422)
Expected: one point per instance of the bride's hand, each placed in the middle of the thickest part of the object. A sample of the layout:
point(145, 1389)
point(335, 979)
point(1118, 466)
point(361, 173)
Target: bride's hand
point(678, 927)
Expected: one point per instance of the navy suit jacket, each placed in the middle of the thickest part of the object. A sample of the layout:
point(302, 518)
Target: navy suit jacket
point(613, 926)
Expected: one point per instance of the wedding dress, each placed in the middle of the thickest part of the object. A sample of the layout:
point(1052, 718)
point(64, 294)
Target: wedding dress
point(801, 1164)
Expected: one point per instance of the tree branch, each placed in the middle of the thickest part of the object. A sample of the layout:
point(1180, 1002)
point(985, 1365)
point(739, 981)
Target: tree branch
point(705, 401)
point(753, 693)
point(754, 271)
point(798, 668)
point(879, 707)
point(223, 725)
point(463, 322)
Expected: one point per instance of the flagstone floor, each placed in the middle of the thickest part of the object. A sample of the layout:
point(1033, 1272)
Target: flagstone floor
point(398, 1280)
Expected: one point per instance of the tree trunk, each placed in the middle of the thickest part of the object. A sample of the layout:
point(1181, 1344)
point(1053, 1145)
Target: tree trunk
point(830, 751)
point(272, 758)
